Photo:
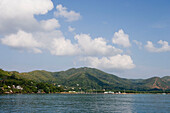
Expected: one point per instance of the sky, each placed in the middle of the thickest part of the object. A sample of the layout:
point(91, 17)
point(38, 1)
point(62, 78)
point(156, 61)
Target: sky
point(127, 38)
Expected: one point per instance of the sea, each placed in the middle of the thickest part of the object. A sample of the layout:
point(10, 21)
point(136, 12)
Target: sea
point(84, 103)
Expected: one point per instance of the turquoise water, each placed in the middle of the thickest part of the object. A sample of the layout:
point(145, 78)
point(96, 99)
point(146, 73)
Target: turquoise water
point(77, 103)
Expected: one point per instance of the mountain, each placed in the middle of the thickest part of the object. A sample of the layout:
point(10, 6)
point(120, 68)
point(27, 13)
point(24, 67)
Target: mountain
point(39, 76)
point(154, 83)
point(91, 78)
point(11, 82)
point(166, 79)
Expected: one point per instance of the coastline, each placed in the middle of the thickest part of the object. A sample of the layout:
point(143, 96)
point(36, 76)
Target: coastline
point(87, 93)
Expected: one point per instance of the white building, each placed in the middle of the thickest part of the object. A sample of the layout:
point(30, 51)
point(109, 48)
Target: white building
point(19, 87)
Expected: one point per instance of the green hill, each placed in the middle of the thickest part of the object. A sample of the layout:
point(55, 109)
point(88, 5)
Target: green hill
point(155, 83)
point(91, 78)
point(39, 76)
point(13, 82)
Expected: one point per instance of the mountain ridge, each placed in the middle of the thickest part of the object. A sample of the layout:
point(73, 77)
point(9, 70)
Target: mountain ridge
point(91, 78)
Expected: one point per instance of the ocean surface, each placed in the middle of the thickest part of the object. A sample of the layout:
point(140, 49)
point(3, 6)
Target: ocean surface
point(84, 103)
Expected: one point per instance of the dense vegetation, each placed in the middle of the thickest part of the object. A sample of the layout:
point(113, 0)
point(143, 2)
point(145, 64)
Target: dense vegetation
point(10, 82)
point(94, 79)
point(82, 79)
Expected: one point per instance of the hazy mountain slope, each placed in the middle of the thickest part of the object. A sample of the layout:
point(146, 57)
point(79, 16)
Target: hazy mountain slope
point(166, 79)
point(154, 83)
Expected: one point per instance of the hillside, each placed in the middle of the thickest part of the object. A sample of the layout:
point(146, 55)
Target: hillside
point(155, 83)
point(39, 76)
point(11, 82)
point(91, 78)
point(166, 79)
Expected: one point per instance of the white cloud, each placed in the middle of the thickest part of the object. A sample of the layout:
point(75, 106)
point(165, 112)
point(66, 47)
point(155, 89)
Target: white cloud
point(151, 48)
point(12, 9)
point(139, 44)
point(69, 15)
point(70, 29)
point(17, 19)
point(53, 41)
point(22, 41)
point(121, 38)
point(61, 46)
point(117, 62)
point(56, 43)
point(50, 24)
point(85, 46)
point(94, 47)
point(19, 14)
point(22, 31)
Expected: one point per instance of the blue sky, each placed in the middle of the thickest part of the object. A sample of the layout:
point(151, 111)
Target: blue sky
point(127, 38)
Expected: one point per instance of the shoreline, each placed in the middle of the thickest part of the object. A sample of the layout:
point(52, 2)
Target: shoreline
point(88, 93)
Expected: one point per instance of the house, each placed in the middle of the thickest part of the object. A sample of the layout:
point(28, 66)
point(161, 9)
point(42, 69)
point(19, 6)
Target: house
point(13, 86)
point(19, 87)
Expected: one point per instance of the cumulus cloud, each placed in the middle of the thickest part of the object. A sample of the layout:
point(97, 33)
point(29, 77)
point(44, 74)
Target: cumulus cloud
point(139, 44)
point(19, 14)
point(29, 7)
point(85, 46)
point(61, 46)
point(121, 38)
point(70, 29)
point(151, 48)
point(22, 41)
point(97, 46)
point(22, 31)
point(69, 15)
point(53, 41)
point(117, 62)
point(50, 24)
point(57, 44)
